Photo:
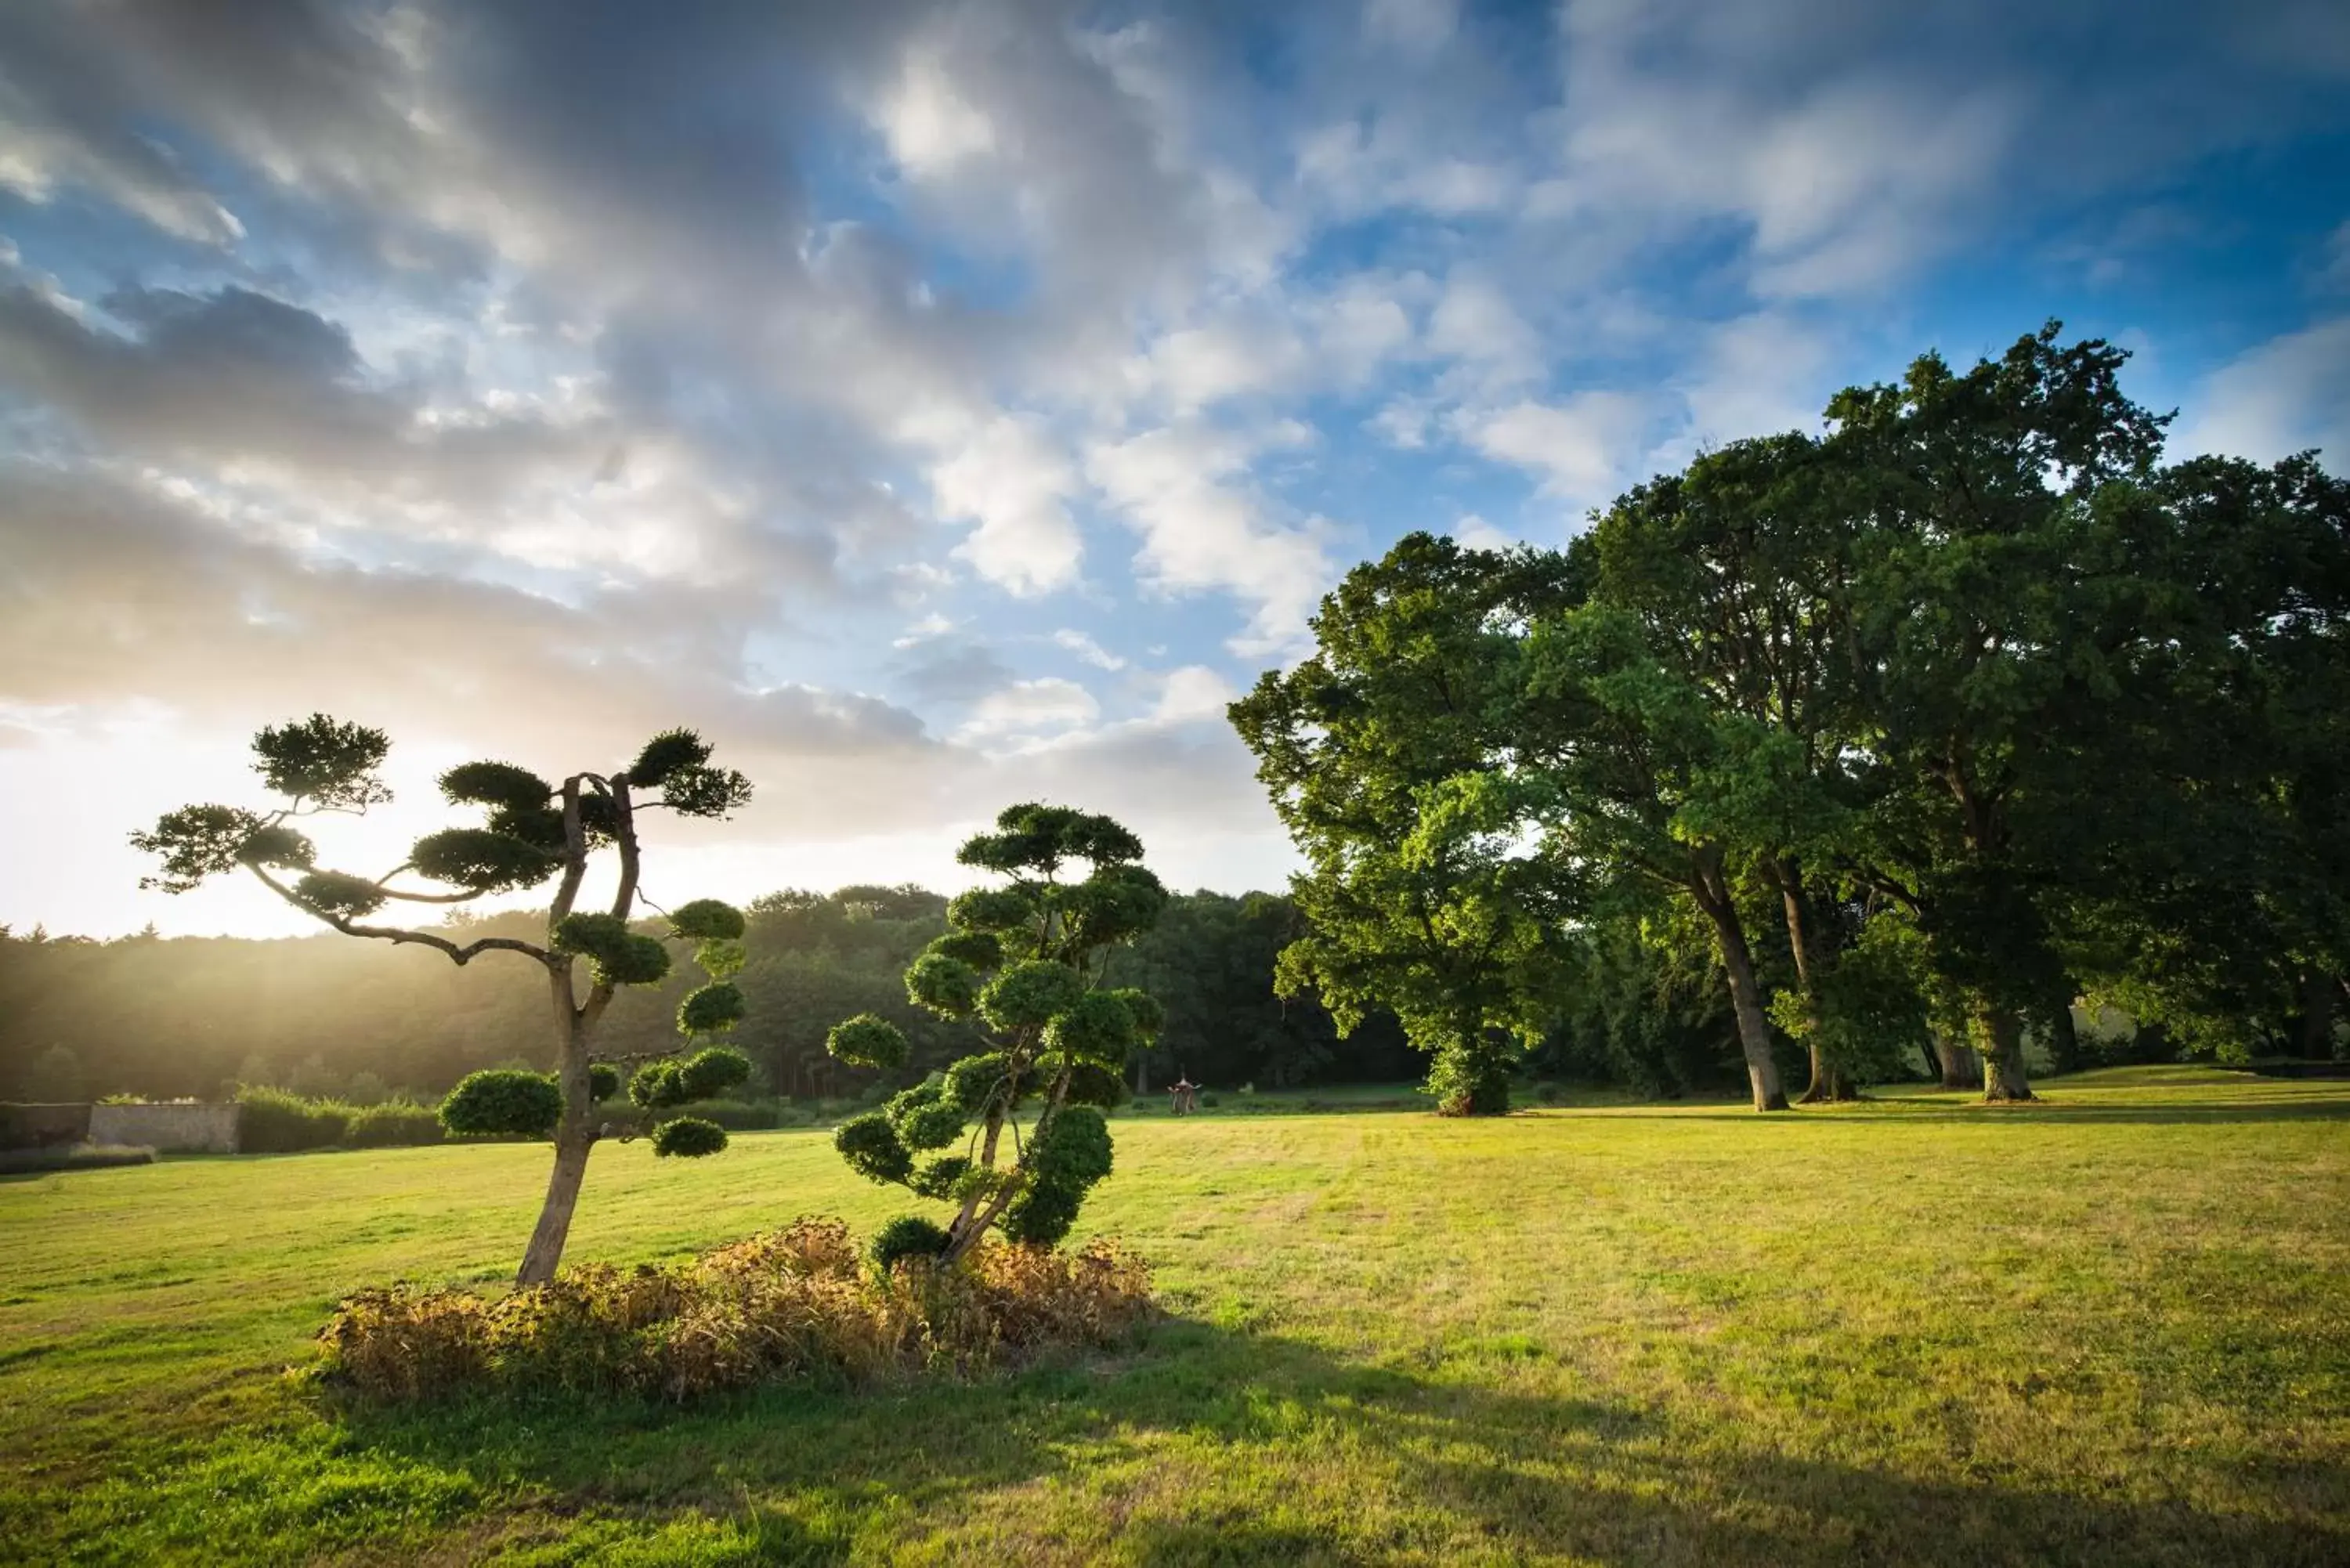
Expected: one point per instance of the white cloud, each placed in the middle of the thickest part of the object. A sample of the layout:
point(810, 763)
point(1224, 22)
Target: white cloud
point(1028, 708)
point(1183, 488)
point(1580, 446)
point(1014, 482)
point(928, 124)
point(1191, 694)
point(2288, 395)
point(1475, 322)
point(1479, 535)
point(1086, 649)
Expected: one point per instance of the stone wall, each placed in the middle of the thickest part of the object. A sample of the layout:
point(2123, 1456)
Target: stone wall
point(186, 1128)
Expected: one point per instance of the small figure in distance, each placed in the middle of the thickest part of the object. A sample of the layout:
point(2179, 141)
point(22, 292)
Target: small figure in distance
point(1186, 1095)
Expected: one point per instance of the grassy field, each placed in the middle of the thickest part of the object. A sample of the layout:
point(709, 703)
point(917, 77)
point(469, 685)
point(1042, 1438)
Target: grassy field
point(2113, 1329)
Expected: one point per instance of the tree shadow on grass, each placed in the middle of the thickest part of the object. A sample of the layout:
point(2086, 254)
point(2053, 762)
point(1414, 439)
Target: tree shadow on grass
point(1875, 1116)
point(1214, 1446)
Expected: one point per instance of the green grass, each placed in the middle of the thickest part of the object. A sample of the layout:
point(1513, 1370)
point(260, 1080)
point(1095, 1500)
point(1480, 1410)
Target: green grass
point(2114, 1329)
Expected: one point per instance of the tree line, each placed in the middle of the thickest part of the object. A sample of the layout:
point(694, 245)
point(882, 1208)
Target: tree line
point(193, 1016)
point(1924, 729)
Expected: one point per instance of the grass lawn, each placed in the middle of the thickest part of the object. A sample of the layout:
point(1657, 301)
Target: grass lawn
point(2114, 1329)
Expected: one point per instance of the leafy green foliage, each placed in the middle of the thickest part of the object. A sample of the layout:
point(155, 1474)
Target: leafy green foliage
point(502, 786)
point(687, 1137)
point(710, 1074)
point(907, 1236)
point(273, 1121)
point(1096, 1028)
point(503, 1102)
point(1071, 1155)
point(338, 895)
point(636, 960)
point(481, 860)
point(940, 1179)
point(707, 920)
point(667, 754)
point(1026, 960)
point(943, 984)
point(1028, 995)
point(323, 764)
point(872, 1148)
point(279, 848)
point(926, 1117)
point(711, 1007)
point(603, 1080)
point(196, 842)
point(867, 1041)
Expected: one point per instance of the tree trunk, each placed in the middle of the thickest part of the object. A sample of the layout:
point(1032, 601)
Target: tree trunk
point(1712, 891)
point(1828, 1081)
point(1962, 1067)
point(2064, 1036)
point(575, 1134)
point(2317, 1041)
point(2000, 1033)
point(544, 1254)
point(1141, 1075)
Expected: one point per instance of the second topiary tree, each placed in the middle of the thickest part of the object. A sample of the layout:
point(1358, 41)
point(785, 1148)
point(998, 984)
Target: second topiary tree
point(1026, 963)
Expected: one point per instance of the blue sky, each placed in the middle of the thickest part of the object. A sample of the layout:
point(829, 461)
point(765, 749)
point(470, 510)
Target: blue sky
point(942, 405)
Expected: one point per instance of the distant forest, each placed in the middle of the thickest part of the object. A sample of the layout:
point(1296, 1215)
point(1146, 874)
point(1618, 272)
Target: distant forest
point(175, 1017)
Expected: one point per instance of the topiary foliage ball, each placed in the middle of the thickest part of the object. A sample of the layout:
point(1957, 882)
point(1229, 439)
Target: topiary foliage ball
point(503, 1102)
point(690, 1137)
point(1096, 1028)
point(871, 1145)
point(924, 1117)
point(1069, 1159)
point(501, 784)
point(867, 1041)
point(339, 894)
point(640, 960)
point(656, 1084)
point(707, 920)
point(980, 949)
point(1028, 994)
point(937, 1178)
point(992, 909)
point(942, 984)
point(279, 846)
point(476, 857)
point(972, 1082)
point(588, 934)
point(707, 1075)
point(907, 1236)
point(603, 1080)
point(711, 1009)
point(666, 754)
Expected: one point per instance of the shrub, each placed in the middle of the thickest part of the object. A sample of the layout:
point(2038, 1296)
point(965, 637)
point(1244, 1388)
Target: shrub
point(72, 1157)
point(689, 1136)
point(794, 1303)
point(393, 1125)
point(503, 1102)
point(907, 1236)
point(276, 1122)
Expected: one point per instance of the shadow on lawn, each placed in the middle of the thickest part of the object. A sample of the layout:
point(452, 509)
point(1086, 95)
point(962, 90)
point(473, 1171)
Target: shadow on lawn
point(1878, 1113)
point(1464, 1471)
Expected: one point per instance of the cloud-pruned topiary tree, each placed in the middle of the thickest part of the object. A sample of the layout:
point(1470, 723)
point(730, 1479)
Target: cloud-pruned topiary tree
point(533, 831)
point(1026, 963)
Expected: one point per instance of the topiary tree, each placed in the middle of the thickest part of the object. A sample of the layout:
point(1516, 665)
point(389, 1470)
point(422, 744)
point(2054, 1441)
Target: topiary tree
point(1026, 964)
point(534, 831)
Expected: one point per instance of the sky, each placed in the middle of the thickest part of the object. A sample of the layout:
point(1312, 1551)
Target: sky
point(940, 406)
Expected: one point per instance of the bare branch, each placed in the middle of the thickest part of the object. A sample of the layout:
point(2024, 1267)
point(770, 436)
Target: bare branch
point(458, 953)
